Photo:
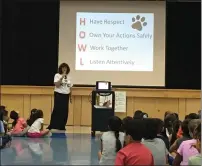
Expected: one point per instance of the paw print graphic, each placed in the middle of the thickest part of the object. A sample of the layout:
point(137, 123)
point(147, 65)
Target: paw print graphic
point(138, 22)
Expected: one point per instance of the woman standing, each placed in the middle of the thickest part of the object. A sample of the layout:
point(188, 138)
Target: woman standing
point(62, 92)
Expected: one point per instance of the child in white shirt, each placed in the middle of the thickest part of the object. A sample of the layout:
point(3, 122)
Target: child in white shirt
point(36, 128)
point(111, 142)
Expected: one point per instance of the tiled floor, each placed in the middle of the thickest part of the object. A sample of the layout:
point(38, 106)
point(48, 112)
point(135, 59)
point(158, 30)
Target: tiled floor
point(76, 149)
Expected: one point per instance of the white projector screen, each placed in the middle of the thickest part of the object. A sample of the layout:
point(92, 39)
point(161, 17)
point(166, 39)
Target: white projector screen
point(120, 42)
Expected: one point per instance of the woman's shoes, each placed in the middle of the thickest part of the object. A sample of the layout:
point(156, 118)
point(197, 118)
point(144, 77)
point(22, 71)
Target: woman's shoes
point(50, 128)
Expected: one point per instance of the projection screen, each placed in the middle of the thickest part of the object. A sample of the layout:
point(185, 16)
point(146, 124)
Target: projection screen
point(116, 41)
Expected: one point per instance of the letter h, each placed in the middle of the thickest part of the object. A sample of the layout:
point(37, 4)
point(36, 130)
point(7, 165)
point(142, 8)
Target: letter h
point(82, 21)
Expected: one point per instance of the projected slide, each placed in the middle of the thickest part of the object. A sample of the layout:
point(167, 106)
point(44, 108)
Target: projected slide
point(114, 41)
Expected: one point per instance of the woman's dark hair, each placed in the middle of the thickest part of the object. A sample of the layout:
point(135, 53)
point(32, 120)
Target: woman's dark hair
point(176, 126)
point(185, 128)
point(135, 128)
point(14, 115)
point(193, 116)
point(29, 120)
point(115, 125)
point(138, 114)
point(150, 128)
point(62, 66)
point(125, 122)
point(36, 115)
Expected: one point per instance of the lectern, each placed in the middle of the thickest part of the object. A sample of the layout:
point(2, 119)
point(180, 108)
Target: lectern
point(101, 114)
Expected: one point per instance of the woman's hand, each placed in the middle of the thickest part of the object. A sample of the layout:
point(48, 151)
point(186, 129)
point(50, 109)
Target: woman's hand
point(63, 75)
point(58, 83)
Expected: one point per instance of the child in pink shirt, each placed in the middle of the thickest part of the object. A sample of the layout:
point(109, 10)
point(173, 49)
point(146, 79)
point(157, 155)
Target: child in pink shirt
point(18, 125)
point(186, 148)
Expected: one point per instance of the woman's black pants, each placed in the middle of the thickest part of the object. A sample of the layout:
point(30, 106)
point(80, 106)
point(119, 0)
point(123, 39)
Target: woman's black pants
point(60, 112)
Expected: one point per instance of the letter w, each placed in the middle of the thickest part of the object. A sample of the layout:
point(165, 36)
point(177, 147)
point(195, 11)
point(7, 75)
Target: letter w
point(82, 47)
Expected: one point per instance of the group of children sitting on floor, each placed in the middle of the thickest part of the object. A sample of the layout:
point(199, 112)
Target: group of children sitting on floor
point(137, 140)
point(150, 141)
point(33, 127)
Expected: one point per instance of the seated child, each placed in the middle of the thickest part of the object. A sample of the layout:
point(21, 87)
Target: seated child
point(161, 132)
point(176, 128)
point(134, 153)
point(19, 125)
point(111, 142)
point(5, 139)
point(186, 148)
point(138, 114)
point(154, 144)
point(125, 122)
point(5, 117)
point(190, 116)
point(30, 117)
point(186, 136)
point(36, 125)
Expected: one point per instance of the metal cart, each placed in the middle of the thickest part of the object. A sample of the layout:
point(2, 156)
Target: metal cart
point(100, 115)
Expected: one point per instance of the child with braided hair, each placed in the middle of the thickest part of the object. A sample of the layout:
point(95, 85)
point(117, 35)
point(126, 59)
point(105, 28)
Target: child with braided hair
point(111, 142)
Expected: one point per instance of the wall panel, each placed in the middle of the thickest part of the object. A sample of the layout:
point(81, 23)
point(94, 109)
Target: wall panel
point(26, 106)
point(155, 102)
point(129, 106)
point(70, 121)
point(85, 111)
point(192, 105)
point(148, 105)
point(13, 102)
point(166, 104)
point(77, 110)
point(182, 108)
